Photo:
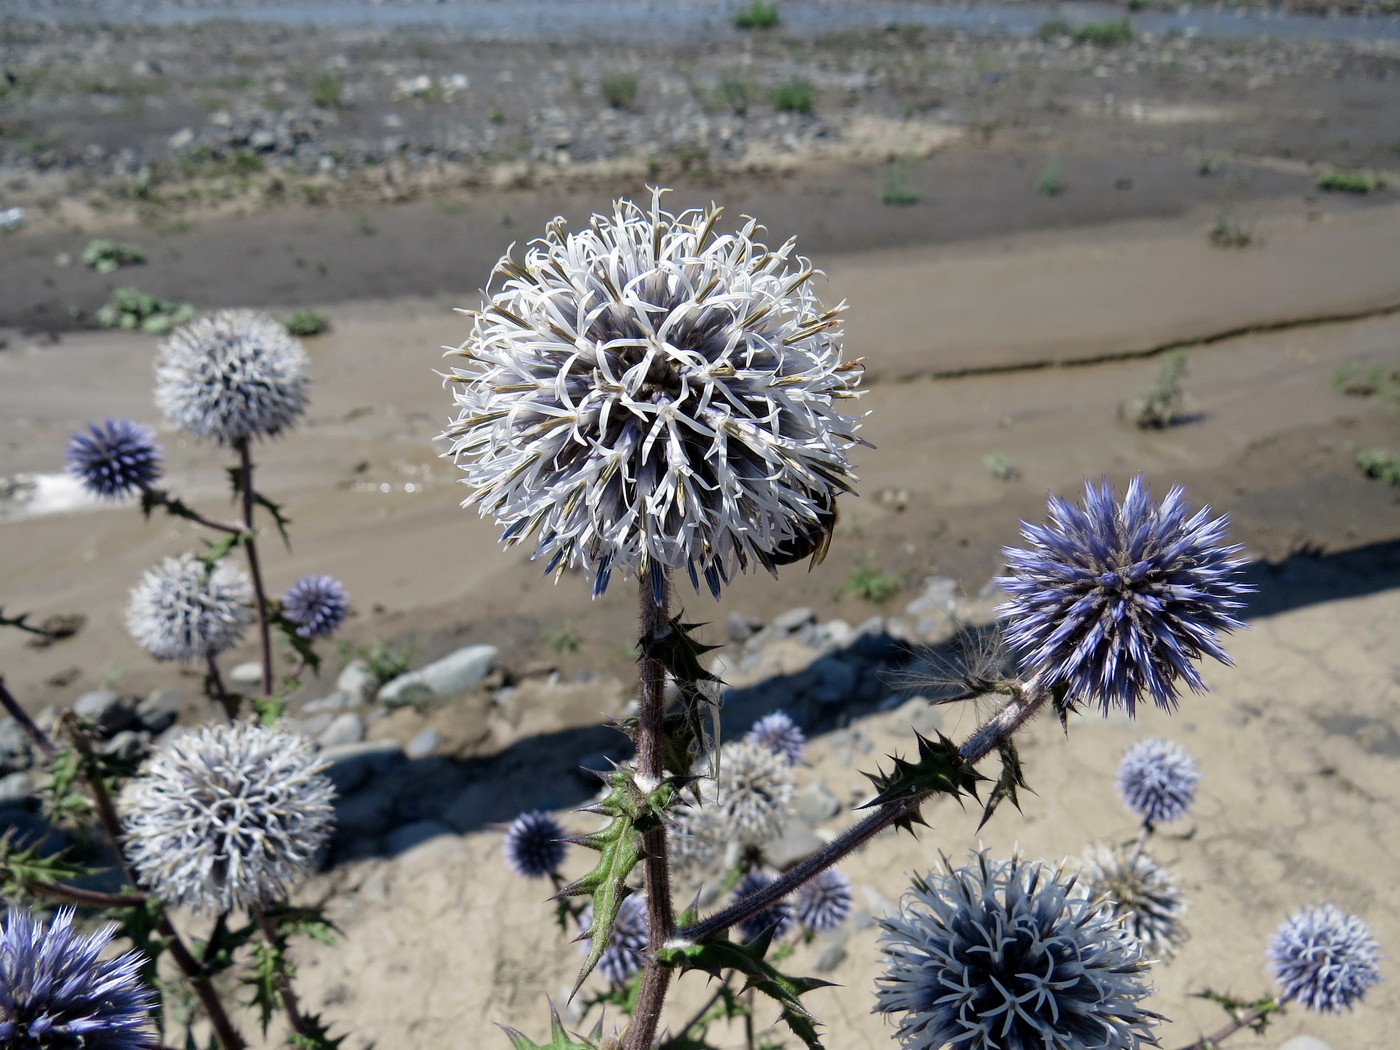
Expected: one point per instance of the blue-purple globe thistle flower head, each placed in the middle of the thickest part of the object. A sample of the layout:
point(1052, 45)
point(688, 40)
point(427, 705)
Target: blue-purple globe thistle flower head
point(824, 901)
point(1140, 892)
point(647, 394)
point(1005, 954)
point(534, 845)
point(231, 377)
point(184, 610)
point(316, 604)
point(1157, 780)
point(1112, 600)
point(779, 734)
point(1324, 959)
point(114, 458)
point(227, 817)
point(59, 992)
point(775, 919)
point(627, 942)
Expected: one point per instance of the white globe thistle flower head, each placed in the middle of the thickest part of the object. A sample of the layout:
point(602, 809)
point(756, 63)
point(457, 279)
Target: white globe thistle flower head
point(231, 377)
point(646, 394)
point(183, 610)
point(747, 803)
point(227, 817)
point(1140, 892)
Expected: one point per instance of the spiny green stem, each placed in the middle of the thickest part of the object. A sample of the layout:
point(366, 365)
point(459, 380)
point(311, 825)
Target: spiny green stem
point(284, 977)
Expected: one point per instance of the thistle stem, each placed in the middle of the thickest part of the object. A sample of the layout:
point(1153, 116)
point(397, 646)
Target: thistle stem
point(60, 891)
point(162, 498)
point(1010, 717)
point(1252, 1016)
point(250, 542)
point(661, 920)
point(214, 683)
point(284, 978)
point(12, 708)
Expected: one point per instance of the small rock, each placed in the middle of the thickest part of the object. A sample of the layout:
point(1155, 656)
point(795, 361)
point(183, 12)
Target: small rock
point(249, 673)
point(423, 744)
point(921, 716)
point(815, 803)
point(452, 674)
point(348, 728)
point(356, 681)
point(331, 702)
point(403, 839)
point(1304, 1042)
point(350, 766)
point(797, 841)
point(181, 139)
point(264, 140)
point(14, 747)
point(15, 789)
point(315, 725)
point(127, 746)
point(106, 709)
point(742, 626)
point(833, 949)
point(794, 620)
point(158, 710)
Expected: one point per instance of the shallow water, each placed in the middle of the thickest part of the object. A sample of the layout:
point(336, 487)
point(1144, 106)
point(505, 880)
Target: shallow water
point(668, 20)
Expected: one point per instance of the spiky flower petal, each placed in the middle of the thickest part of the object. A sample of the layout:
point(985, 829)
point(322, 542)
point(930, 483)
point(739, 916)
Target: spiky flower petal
point(1002, 955)
point(628, 940)
point(534, 845)
point(182, 610)
point(114, 458)
point(645, 394)
point(1116, 600)
point(777, 918)
point(57, 992)
point(779, 734)
point(1157, 780)
point(748, 803)
point(231, 377)
point(824, 901)
point(1142, 893)
point(227, 817)
point(316, 604)
point(1324, 959)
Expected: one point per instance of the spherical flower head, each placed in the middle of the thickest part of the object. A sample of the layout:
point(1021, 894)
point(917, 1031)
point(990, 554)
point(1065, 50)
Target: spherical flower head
point(1324, 959)
point(1115, 600)
point(57, 991)
point(779, 734)
point(231, 377)
point(1143, 894)
point(316, 604)
point(747, 803)
point(1004, 954)
point(647, 394)
point(623, 955)
point(776, 918)
point(1157, 780)
point(227, 817)
point(824, 901)
point(183, 610)
point(534, 845)
point(114, 458)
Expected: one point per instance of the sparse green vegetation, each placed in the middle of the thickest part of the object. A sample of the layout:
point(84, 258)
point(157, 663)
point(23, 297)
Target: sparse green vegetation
point(1350, 182)
point(1050, 184)
point(620, 90)
point(305, 323)
point(871, 584)
point(1053, 30)
point(1104, 34)
point(897, 192)
point(564, 639)
point(106, 256)
point(1001, 466)
point(758, 15)
point(1156, 408)
point(327, 91)
point(734, 95)
point(1381, 464)
point(1231, 232)
point(1378, 381)
point(795, 96)
point(132, 309)
point(385, 661)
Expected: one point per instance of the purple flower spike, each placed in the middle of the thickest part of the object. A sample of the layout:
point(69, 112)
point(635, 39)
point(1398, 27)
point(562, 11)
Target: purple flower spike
point(316, 604)
point(1115, 600)
point(114, 458)
point(1324, 959)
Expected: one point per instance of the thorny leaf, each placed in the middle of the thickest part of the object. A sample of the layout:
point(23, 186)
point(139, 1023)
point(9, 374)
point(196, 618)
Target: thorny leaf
point(22, 866)
point(1265, 1005)
point(292, 921)
point(940, 769)
point(315, 1035)
point(1011, 778)
point(236, 479)
point(263, 979)
point(559, 1039)
point(690, 734)
point(217, 549)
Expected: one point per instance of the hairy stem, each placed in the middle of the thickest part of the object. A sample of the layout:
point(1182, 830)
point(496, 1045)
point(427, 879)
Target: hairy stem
point(284, 978)
point(161, 498)
point(60, 891)
point(250, 542)
point(661, 919)
point(1252, 1016)
point(218, 691)
point(12, 708)
point(1010, 717)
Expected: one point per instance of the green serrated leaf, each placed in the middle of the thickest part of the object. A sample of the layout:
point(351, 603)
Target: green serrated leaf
point(281, 519)
point(263, 980)
point(690, 733)
point(559, 1039)
point(940, 769)
point(21, 868)
point(310, 922)
point(268, 710)
point(1010, 780)
point(217, 549)
point(716, 957)
point(315, 1035)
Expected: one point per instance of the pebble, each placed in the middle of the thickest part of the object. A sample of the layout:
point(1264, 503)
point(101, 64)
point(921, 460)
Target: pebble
point(348, 728)
point(14, 747)
point(246, 674)
point(357, 681)
point(814, 803)
point(797, 841)
point(15, 789)
point(1304, 1042)
point(794, 620)
point(107, 709)
point(423, 744)
point(454, 673)
point(331, 702)
point(158, 710)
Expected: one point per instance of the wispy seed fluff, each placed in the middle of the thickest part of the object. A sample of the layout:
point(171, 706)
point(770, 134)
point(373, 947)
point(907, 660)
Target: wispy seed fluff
point(231, 377)
point(182, 610)
point(227, 817)
point(648, 394)
point(1142, 893)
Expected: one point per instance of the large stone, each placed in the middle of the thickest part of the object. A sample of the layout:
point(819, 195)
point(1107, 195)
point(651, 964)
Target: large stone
point(158, 710)
point(454, 673)
point(350, 766)
point(249, 674)
point(357, 681)
point(15, 789)
point(364, 814)
point(347, 728)
point(14, 747)
point(107, 709)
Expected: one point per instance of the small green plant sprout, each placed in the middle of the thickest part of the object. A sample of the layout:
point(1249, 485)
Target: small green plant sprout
point(1208, 164)
point(1104, 34)
point(1055, 29)
point(734, 95)
point(896, 178)
point(1230, 231)
point(1358, 182)
point(758, 15)
point(304, 323)
point(564, 639)
point(1381, 464)
point(1001, 466)
point(327, 91)
point(872, 584)
point(1156, 408)
point(105, 256)
point(134, 310)
point(1376, 381)
point(795, 96)
point(620, 90)
point(1050, 184)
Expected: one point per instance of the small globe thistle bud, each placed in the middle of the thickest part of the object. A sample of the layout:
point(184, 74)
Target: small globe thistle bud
point(627, 942)
point(182, 610)
point(227, 817)
point(777, 918)
point(57, 991)
point(1142, 893)
point(1116, 600)
point(1324, 959)
point(748, 803)
point(1003, 954)
point(645, 395)
point(534, 845)
point(316, 604)
point(1157, 780)
point(824, 901)
point(114, 458)
point(231, 377)
point(779, 734)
